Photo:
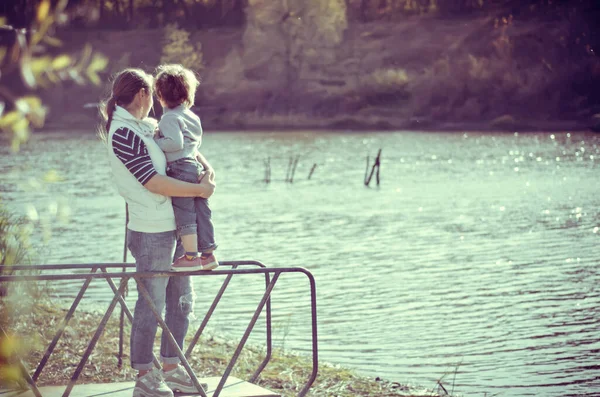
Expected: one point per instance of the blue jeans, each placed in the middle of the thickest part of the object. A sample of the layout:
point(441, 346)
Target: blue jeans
point(155, 252)
point(192, 214)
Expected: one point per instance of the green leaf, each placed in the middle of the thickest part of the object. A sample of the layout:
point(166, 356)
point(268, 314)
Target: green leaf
point(52, 41)
point(43, 10)
point(40, 64)
point(98, 63)
point(94, 78)
point(53, 176)
point(9, 119)
point(61, 61)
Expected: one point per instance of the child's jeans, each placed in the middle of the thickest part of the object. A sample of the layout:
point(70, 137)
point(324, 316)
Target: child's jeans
point(192, 214)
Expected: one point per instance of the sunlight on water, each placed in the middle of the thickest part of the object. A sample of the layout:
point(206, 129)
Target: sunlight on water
point(478, 253)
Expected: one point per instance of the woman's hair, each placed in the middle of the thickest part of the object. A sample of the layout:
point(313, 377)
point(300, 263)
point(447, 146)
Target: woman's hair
point(125, 86)
point(175, 85)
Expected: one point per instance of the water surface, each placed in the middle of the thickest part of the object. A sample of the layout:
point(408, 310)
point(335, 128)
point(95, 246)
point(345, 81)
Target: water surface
point(477, 255)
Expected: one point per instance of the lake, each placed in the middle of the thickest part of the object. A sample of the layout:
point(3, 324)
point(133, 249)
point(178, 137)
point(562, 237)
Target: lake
point(475, 261)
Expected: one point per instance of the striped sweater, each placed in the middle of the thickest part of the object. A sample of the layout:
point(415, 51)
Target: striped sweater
point(134, 159)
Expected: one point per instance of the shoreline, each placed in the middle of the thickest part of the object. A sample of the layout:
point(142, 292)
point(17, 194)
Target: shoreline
point(293, 122)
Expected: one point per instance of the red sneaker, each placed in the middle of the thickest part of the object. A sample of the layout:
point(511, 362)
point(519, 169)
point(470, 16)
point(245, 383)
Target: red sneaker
point(209, 262)
point(182, 264)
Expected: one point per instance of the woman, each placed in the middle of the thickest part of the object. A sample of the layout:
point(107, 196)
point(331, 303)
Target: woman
point(138, 167)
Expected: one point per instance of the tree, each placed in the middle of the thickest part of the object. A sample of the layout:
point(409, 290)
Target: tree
point(284, 37)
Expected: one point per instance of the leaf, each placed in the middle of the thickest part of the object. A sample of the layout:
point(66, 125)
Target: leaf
point(43, 10)
point(10, 373)
point(53, 176)
point(86, 53)
point(10, 118)
point(25, 61)
point(98, 63)
point(53, 41)
point(61, 61)
point(26, 72)
point(9, 345)
point(42, 30)
point(31, 213)
point(32, 107)
point(94, 78)
point(3, 51)
point(40, 64)
point(33, 102)
point(21, 129)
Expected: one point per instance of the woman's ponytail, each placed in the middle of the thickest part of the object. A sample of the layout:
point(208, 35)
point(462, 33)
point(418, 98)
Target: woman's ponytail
point(106, 109)
point(111, 105)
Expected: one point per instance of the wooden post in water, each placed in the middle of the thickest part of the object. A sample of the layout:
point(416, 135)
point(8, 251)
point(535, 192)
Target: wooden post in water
point(289, 169)
point(267, 170)
point(367, 170)
point(376, 164)
point(312, 170)
point(295, 164)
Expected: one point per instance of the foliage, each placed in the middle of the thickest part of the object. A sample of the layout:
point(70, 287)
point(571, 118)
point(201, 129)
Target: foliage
point(14, 245)
point(285, 38)
point(14, 240)
point(178, 49)
point(27, 63)
point(114, 14)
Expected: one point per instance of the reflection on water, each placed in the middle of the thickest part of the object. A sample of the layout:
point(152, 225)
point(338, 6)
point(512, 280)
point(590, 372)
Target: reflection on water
point(477, 255)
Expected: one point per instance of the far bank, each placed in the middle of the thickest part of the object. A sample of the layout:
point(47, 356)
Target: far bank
point(415, 74)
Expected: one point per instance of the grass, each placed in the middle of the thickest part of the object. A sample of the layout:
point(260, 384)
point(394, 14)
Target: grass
point(31, 331)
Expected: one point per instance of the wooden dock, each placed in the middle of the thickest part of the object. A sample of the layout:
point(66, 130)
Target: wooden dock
point(234, 387)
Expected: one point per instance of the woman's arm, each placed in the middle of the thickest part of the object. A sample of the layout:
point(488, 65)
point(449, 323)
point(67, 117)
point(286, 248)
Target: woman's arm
point(132, 151)
point(167, 186)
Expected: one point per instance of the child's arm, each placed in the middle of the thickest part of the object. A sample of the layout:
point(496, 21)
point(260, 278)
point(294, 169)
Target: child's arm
point(171, 134)
point(210, 172)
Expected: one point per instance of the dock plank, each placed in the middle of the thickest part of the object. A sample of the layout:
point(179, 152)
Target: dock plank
point(234, 387)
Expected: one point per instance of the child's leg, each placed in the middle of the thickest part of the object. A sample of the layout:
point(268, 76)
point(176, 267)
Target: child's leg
point(190, 245)
point(186, 170)
point(185, 217)
point(206, 234)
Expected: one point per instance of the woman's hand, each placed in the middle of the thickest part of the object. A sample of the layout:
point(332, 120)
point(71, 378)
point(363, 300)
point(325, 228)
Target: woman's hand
point(206, 185)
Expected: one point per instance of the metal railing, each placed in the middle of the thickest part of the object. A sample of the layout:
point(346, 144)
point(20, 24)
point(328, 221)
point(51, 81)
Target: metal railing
point(100, 271)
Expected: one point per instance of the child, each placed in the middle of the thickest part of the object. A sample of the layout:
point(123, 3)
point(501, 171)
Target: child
point(179, 137)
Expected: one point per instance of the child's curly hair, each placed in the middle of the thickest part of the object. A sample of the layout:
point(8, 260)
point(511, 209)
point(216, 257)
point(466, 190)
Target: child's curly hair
point(175, 85)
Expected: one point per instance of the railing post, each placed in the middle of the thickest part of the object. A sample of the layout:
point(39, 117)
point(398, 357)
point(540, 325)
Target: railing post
point(94, 340)
point(62, 326)
point(208, 314)
point(257, 312)
point(315, 346)
point(267, 358)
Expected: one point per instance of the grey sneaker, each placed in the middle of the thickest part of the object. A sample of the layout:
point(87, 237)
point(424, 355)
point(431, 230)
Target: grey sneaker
point(179, 380)
point(151, 384)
